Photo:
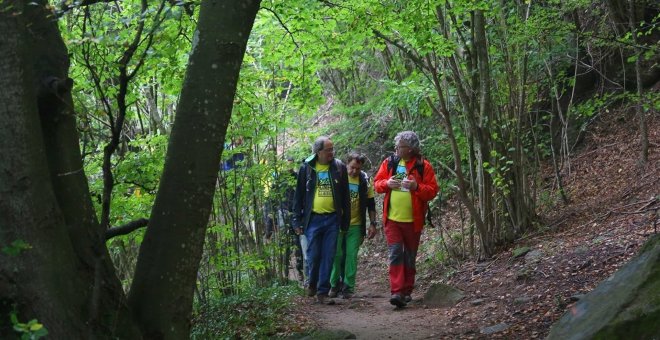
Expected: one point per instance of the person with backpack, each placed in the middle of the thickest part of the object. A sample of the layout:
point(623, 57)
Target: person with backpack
point(408, 182)
point(344, 269)
point(321, 206)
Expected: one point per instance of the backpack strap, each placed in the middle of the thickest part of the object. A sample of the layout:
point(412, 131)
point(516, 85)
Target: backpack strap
point(419, 166)
point(392, 162)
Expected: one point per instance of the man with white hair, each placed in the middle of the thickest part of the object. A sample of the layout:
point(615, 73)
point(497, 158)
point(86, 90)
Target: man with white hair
point(408, 182)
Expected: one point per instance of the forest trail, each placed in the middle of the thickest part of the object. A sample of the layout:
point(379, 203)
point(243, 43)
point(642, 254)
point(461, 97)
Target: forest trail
point(614, 209)
point(373, 317)
point(369, 314)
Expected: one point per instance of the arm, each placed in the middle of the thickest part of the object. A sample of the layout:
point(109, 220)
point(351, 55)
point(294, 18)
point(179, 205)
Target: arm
point(380, 181)
point(371, 210)
point(373, 230)
point(426, 189)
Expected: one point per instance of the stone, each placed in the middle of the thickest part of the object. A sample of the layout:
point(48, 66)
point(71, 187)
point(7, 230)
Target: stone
point(576, 297)
point(624, 306)
point(522, 300)
point(494, 329)
point(442, 295)
point(534, 256)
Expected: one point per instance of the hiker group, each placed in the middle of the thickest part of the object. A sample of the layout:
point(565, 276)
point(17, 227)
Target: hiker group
point(331, 202)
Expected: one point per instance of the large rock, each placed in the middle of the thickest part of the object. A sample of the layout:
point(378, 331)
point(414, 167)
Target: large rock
point(625, 306)
point(442, 295)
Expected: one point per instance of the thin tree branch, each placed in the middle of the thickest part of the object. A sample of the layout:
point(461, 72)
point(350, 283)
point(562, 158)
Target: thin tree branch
point(126, 228)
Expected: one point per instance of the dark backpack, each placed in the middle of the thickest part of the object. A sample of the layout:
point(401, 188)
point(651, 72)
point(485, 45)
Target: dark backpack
point(419, 167)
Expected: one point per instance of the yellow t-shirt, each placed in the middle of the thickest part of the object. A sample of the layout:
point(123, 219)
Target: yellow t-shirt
point(323, 200)
point(400, 209)
point(353, 188)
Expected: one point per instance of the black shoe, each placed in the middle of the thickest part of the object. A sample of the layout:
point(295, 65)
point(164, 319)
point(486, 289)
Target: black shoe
point(347, 294)
point(309, 291)
point(397, 300)
point(407, 298)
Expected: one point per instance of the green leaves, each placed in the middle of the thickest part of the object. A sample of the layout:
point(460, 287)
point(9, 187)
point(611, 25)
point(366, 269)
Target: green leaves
point(16, 247)
point(28, 331)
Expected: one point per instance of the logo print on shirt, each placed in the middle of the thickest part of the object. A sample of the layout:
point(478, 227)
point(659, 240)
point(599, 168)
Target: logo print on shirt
point(400, 173)
point(353, 188)
point(323, 185)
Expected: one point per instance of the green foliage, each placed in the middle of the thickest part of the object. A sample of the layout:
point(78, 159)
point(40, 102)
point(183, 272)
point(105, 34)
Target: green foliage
point(30, 330)
point(258, 313)
point(518, 252)
point(137, 175)
point(432, 254)
point(16, 247)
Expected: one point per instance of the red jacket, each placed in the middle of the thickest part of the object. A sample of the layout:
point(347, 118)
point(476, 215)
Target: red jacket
point(427, 189)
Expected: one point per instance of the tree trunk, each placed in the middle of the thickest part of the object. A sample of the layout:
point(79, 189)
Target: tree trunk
point(639, 108)
point(162, 290)
point(60, 273)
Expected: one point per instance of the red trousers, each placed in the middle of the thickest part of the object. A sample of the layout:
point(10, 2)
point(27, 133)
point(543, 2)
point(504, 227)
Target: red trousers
point(402, 243)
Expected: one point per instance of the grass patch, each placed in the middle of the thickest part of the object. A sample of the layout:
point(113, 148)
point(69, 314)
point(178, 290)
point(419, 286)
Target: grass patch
point(260, 313)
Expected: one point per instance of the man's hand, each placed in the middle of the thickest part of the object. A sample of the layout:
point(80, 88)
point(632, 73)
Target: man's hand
point(409, 183)
point(393, 183)
point(299, 231)
point(372, 232)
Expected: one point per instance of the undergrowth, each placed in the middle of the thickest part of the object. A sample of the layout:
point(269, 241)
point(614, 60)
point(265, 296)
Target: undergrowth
point(259, 313)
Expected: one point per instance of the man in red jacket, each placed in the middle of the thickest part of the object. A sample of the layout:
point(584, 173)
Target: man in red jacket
point(408, 182)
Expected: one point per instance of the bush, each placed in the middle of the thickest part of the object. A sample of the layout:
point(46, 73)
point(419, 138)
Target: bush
point(259, 313)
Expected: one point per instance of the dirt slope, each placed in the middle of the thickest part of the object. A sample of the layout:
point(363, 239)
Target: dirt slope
point(614, 208)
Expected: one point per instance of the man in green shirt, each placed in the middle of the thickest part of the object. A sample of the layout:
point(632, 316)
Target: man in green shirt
point(361, 192)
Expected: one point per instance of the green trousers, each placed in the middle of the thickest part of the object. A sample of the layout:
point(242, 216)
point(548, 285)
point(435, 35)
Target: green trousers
point(345, 263)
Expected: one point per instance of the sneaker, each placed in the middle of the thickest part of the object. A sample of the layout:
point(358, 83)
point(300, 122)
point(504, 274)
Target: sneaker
point(397, 300)
point(347, 294)
point(333, 292)
point(407, 298)
point(309, 291)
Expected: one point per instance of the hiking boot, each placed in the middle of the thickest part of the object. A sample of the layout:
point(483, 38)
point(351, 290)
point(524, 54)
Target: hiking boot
point(323, 299)
point(347, 294)
point(309, 291)
point(397, 300)
point(333, 292)
point(407, 298)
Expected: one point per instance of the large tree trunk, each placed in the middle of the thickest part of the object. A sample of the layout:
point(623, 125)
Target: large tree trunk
point(58, 271)
point(162, 290)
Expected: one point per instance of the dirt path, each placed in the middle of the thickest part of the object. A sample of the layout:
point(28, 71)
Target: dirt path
point(374, 318)
point(369, 314)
